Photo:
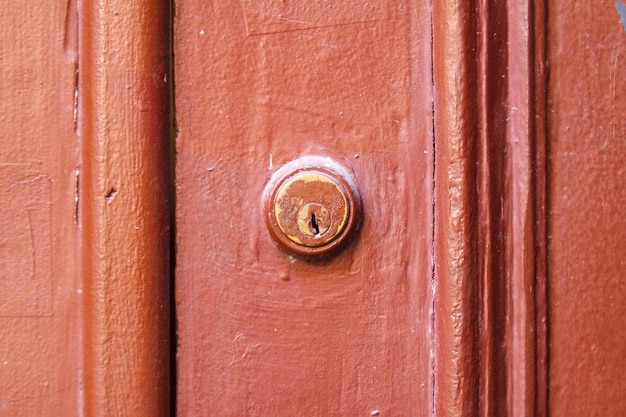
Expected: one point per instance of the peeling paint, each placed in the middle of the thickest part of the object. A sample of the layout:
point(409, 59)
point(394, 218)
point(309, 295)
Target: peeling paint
point(621, 10)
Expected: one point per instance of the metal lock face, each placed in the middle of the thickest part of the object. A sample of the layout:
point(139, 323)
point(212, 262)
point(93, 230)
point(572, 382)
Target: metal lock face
point(312, 207)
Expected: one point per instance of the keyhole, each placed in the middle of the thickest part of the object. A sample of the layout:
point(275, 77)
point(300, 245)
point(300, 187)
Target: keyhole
point(313, 220)
point(314, 224)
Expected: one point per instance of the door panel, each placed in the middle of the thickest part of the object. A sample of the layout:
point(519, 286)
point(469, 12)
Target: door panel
point(261, 332)
point(39, 292)
point(587, 197)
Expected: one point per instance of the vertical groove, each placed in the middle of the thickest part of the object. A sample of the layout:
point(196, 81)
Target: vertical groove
point(540, 173)
point(172, 193)
point(433, 281)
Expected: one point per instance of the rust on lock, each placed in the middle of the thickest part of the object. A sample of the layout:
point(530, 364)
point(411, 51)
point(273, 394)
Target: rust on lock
point(312, 207)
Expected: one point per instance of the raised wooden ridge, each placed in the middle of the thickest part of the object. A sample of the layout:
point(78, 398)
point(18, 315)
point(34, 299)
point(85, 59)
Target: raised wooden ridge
point(490, 220)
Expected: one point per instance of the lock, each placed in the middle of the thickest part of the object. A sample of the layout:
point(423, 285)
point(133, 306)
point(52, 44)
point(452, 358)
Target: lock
point(312, 207)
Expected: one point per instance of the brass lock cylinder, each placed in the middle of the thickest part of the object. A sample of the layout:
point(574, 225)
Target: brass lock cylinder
point(312, 207)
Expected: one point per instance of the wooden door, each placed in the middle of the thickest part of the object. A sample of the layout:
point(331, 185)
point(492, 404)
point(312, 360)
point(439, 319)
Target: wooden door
point(260, 332)
point(486, 141)
point(461, 141)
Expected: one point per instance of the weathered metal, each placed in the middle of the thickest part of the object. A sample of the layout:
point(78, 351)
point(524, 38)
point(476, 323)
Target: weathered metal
point(312, 207)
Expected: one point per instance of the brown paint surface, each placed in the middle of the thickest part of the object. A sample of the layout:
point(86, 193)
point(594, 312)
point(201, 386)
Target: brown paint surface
point(26, 237)
point(40, 358)
point(83, 290)
point(84, 269)
point(261, 333)
point(489, 322)
point(587, 266)
point(123, 119)
point(456, 313)
point(271, 16)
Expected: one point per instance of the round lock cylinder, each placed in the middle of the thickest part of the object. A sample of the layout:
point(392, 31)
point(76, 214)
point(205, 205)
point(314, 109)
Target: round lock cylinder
point(312, 207)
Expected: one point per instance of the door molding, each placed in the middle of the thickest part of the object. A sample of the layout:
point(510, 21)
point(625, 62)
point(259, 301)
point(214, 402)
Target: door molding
point(490, 328)
point(123, 121)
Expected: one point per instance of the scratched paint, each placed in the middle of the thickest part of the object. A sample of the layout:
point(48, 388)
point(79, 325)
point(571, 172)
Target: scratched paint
point(25, 242)
point(261, 332)
point(274, 16)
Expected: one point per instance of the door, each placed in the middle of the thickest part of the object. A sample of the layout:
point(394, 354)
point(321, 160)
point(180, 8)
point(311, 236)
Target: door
point(462, 142)
point(478, 144)
point(261, 331)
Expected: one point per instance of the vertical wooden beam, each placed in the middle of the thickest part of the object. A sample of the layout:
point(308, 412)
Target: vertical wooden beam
point(490, 222)
point(456, 121)
point(524, 211)
point(123, 121)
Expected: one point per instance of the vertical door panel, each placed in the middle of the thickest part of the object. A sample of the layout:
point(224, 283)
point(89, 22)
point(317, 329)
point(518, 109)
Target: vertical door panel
point(39, 293)
point(261, 332)
point(587, 265)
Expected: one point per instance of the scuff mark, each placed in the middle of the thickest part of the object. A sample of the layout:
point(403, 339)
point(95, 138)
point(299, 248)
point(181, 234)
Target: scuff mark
point(70, 48)
point(76, 130)
point(33, 253)
point(76, 193)
point(621, 10)
point(239, 354)
point(614, 77)
point(70, 36)
point(111, 194)
point(263, 17)
point(27, 180)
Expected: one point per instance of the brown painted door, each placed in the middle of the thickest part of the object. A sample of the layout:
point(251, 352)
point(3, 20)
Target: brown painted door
point(485, 139)
point(260, 332)
point(473, 285)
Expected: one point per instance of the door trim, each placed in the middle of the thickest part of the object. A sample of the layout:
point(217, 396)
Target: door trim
point(123, 121)
point(490, 323)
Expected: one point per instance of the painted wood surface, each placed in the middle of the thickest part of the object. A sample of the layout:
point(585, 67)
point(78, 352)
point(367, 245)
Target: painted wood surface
point(40, 293)
point(489, 319)
point(123, 124)
point(431, 310)
point(261, 333)
point(84, 267)
point(587, 269)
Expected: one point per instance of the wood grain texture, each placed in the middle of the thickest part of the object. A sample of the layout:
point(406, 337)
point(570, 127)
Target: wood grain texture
point(123, 121)
point(39, 290)
point(587, 197)
point(261, 333)
point(489, 79)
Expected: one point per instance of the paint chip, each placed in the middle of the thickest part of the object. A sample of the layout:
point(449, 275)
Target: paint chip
point(621, 10)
